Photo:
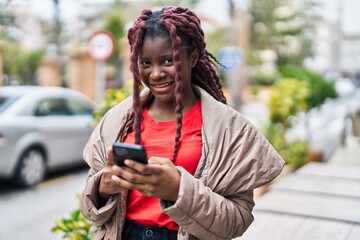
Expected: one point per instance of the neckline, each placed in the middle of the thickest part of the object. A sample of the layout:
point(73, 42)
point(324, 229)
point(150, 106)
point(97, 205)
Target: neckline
point(193, 109)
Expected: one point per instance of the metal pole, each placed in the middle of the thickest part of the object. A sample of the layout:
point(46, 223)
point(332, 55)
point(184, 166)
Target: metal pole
point(100, 80)
point(232, 76)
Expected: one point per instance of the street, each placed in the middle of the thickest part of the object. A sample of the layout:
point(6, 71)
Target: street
point(31, 213)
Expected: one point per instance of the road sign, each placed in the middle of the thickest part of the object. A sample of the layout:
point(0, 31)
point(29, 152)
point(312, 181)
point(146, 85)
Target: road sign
point(101, 45)
point(230, 57)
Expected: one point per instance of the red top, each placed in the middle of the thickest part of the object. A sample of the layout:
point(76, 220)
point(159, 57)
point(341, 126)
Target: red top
point(158, 138)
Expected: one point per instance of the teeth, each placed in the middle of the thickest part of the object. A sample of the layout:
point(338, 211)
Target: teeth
point(162, 85)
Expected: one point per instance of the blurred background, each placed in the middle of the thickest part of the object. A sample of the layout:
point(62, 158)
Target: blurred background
point(292, 67)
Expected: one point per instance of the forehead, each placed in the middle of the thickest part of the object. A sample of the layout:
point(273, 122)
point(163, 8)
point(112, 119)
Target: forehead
point(155, 45)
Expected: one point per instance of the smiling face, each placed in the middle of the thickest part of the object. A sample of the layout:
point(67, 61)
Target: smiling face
point(157, 69)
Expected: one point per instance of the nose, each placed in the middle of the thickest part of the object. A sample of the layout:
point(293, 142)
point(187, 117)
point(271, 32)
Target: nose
point(156, 73)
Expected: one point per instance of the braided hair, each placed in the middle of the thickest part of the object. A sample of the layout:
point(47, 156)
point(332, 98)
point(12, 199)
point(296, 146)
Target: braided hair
point(183, 28)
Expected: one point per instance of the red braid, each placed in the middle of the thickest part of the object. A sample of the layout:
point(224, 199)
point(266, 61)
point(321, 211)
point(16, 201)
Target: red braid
point(135, 36)
point(176, 46)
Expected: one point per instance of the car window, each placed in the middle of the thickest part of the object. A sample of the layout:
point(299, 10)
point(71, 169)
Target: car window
point(5, 102)
point(79, 108)
point(52, 107)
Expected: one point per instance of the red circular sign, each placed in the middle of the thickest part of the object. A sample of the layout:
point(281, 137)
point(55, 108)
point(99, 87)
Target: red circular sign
point(101, 45)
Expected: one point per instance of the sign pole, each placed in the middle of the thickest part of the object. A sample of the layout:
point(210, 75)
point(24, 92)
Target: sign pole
point(101, 46)
point(100, 80)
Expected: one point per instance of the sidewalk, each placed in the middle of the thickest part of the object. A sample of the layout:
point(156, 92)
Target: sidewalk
point(349, 154)
point(318, 201)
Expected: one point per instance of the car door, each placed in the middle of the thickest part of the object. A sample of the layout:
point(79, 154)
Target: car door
point(82, 126)
point(54, 122)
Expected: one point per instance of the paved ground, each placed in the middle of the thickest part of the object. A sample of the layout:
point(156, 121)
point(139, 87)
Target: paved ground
point(318, 201)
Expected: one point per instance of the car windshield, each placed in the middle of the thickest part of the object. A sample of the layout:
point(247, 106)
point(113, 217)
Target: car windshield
point(6, 101)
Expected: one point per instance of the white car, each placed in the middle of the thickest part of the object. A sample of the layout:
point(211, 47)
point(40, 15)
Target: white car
point(41, 129)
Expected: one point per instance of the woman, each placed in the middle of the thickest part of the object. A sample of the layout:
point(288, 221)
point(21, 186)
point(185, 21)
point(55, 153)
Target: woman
point(205, 158)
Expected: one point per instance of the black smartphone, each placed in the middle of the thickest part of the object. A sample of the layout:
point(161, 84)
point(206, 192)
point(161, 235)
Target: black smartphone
point(124, 151)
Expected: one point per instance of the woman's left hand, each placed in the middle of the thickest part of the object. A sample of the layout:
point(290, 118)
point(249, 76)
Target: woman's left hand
point(159, 178)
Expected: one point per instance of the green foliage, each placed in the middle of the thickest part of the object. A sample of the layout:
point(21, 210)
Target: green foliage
point(293, 152)
point(288, 99)
point(75, 227)
point(255, 90)
point(113, 97)
point(115, 25)
point(280, 25)
point(263, 77)
point(275, 134)
point(20, 63)
point(298, 152)
point(6, 18)
point(299, 90)
point(319, 88)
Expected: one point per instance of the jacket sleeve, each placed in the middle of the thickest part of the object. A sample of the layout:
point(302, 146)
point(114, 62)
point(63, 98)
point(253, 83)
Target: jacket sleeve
point(89, 202)
point(199, 210)
point(95, 155)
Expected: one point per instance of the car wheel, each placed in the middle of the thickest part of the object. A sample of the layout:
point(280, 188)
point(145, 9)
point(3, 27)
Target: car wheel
point(31, 169)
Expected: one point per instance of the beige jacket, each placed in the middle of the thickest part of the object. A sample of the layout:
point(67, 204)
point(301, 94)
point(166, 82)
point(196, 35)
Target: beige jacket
point(215, 203)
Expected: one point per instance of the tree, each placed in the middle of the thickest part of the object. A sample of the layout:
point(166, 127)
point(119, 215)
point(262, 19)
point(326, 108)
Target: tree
point(281, 30)
point(6, 18)
point(284, 26)
point(19, 64)
point(115, 23)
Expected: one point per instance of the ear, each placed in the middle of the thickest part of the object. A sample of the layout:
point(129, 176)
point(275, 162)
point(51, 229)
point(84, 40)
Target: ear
point(194, 57)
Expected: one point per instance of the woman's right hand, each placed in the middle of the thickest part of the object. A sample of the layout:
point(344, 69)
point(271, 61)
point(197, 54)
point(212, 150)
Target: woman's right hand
point(107, 186)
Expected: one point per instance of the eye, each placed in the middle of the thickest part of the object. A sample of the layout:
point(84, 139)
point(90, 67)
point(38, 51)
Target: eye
point(168, 61)
point(145, 63)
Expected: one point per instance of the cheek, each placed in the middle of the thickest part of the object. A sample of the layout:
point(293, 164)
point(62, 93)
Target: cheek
point(172, 72)
point(144, 75)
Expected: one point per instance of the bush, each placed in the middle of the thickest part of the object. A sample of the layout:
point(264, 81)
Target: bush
point(113, 97)
point(294, 152)
point(75, 227)
point(289, 98)
point(320, 88)
point(298, 152)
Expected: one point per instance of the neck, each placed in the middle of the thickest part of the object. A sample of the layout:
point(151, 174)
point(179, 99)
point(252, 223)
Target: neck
point(160, 111)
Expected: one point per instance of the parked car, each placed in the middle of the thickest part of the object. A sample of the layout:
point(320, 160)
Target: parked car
point(41, 129)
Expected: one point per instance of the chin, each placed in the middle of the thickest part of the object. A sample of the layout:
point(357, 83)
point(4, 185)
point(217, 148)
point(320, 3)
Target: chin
point(168, 98)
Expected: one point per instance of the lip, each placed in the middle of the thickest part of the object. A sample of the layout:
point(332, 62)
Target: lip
point(161, 85)
point(162, 88)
